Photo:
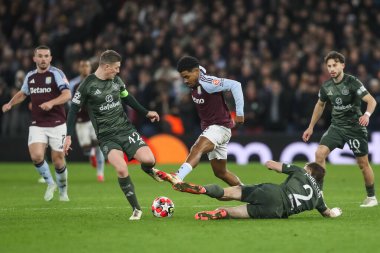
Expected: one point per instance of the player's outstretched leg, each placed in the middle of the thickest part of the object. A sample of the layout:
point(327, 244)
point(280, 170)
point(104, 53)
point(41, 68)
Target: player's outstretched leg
point(212, 215)
point(190, 188)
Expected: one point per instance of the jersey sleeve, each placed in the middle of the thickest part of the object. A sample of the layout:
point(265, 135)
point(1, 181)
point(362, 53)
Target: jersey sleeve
point(321, 206)
point(123, 90)
point(213, 84)
point(322, 94)
point(60, 79)
point(25, 85)
point(80, 95)
point(359, 88)
point(290, 169)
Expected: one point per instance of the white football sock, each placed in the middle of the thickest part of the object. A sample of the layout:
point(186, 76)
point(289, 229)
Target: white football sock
point(61, 179)
point(184, 170)
point(99, 161)
point(45, 172)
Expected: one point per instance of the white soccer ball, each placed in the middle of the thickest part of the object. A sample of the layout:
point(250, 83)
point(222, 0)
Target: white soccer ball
point(162, 207)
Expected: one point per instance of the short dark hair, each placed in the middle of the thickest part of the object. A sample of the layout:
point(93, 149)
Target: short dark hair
point(338, 57)
point(41, 47)
point(317, 171)
point(109, 57)
point(187, 63)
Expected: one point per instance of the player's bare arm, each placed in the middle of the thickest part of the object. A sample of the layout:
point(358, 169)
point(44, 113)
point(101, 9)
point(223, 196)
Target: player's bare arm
point(17, 98)
point(61, 99)
point(273, 165)
point(371, 105)
point(67, 145)
point(317, 113)
point(332, 213)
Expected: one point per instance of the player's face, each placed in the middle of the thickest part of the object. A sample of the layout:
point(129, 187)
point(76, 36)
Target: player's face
point(190, 77)
point(335, 68)
point(112, 70)
point(42, 58)
point(84, 68)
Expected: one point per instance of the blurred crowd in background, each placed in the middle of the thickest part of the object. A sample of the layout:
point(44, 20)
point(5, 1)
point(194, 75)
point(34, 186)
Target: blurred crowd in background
point(275, 48)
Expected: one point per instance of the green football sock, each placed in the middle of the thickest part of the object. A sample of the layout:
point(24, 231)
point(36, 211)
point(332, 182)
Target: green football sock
point(214, 191)
point(128, 188)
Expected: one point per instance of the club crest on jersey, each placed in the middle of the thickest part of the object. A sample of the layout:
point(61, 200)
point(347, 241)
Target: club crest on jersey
point(338, 101)
point(215, 82)
point(48, 80)
point(345, 91)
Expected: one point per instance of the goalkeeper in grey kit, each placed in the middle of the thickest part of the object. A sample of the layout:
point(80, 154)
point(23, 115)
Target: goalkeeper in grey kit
point(300, 192)
point(102, 94)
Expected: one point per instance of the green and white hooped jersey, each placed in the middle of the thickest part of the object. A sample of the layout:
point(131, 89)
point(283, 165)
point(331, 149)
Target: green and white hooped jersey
point(345, 98)
point(102, 98)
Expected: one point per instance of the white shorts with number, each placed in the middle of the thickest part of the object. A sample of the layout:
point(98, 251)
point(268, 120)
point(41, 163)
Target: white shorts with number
point(54, 136)
point(220, 136)
point(85, 133)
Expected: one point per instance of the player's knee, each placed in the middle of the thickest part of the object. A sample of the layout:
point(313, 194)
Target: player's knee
point(320, 156)
point(37, 158)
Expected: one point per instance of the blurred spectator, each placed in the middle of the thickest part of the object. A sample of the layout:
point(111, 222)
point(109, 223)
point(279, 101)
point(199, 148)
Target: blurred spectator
point(251, 41)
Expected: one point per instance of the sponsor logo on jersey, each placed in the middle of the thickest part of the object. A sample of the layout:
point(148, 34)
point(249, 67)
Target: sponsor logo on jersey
point(39, 90)
point(342, 107)
point(329, 93)
point(345, 91)
point(198, 101)
point(32, 81)
point(76, 98)
point(48, 80)
point(338, 101)
point(109, 106)
point(109, 98)
point(97, 92)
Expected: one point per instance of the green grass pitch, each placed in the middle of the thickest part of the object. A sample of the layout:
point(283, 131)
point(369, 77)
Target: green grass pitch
point(96, 218)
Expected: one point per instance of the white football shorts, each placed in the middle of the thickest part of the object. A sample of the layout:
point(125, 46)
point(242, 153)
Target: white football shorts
point(54, 136)
point(220, 136)
point(85, 133)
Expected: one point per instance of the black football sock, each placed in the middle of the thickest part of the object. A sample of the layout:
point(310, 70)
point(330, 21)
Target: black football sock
point(128, 188)
point(214, 191)
point(147, 169)
point(370, 190)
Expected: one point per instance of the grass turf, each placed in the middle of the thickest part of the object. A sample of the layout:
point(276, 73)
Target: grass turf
point(96, 218)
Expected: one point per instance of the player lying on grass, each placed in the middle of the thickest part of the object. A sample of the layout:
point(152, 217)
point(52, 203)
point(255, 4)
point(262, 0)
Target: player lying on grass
point(300, 192)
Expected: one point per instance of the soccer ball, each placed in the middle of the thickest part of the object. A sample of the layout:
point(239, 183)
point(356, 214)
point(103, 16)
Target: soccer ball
point(162, 207)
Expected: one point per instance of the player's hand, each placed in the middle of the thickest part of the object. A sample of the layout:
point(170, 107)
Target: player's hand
point(153, 116)
point(46, 106)
point(67, 145)
point(6, 107)
point(364, 120)
point(307, 134)
point(335, 212)
point(239, 120)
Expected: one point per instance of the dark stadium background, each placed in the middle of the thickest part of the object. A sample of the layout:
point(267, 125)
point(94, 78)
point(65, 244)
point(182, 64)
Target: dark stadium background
point(274, 48)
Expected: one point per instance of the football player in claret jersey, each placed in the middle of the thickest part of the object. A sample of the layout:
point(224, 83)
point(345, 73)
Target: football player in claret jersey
point(48, 89)
point(85, 131)
point(102, 94)
point(348, 124)
point(300, 192)
point(216, 122)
